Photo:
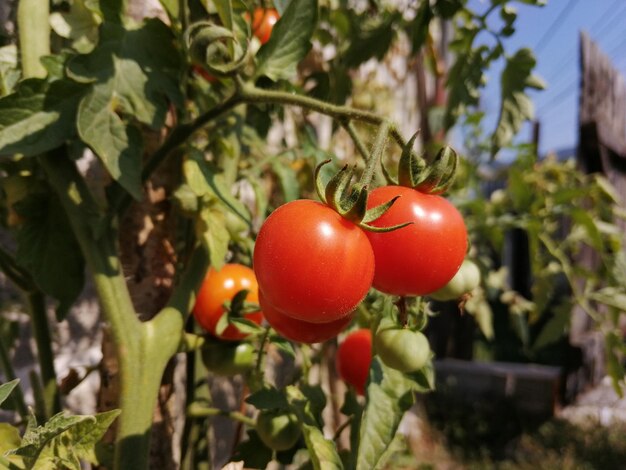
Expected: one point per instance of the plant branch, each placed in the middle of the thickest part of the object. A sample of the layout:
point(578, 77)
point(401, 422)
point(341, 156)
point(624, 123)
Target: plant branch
point(41, 332)
point(197, 410)
point(377, 150)
point(9, 374)
point(358, 142)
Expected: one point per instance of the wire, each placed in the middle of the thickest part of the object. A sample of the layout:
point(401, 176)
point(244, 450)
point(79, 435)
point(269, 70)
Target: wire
point(555, 25)
point(557, 99)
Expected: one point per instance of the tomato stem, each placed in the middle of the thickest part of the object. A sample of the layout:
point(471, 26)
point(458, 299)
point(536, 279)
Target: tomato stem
point(403, 317)
point(196, 410)
point(377, 150)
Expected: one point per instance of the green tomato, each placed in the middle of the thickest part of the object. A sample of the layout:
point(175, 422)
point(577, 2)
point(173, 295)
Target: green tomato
point(402, 349)
point(228, 359)
point(279, 430)
point(465, 280)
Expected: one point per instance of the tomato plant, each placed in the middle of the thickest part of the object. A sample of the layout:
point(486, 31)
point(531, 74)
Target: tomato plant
point(299, 330)
point(219, 287)
point(278, 429)
point(312, 264)
point(263, 21)
point(465, 280)
point(227, 358)
point(422, 257)
point(354, 355)
point(401, 348)
point(197, 69)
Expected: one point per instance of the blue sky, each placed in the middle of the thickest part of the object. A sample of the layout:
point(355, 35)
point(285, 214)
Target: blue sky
point(553, 32)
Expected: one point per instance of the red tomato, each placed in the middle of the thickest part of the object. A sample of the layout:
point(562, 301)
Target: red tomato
point(219, 287)
point(263, 21)
point(311, 263)
point(301, 331)
point(353, 359)
point(422, 257)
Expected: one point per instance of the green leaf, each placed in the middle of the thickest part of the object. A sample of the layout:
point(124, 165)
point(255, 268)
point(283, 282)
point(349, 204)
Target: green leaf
point(516, 106)
point(7, 388)
point(284, 345)
point(135, 75)
point(611, 296)
point(39, 116)
point(204, 179)
point(370, 42)
point(211, 228)
point(225, 12)
point(36, 438)
point(290, 41)
point(389, 396)
point(118, 145)
point(268, 398)
point(49, 251)
point(9, 437)
point(322, 451)
point(79, 24)
point(84, 436)
point(287, 179)
point(418, 28)
point(253, 452)
point(555, 328)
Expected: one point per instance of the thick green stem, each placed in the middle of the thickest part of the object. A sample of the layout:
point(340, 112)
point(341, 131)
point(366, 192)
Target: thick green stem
point(34, 35)
point(9, 374)
point(41, 332)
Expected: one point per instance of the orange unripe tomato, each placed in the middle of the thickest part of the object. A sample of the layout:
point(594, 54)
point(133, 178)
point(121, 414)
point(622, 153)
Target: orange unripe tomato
point(219, 287)
point(263, 21)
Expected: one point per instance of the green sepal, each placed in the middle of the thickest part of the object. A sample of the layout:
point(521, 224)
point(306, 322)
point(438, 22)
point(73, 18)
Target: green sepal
point(216, 48)
point(336, 188)
point(319, 186)
point(440, 173)
point(411, 165)
point(356, 204)
point(375, 212)
point(373, 228)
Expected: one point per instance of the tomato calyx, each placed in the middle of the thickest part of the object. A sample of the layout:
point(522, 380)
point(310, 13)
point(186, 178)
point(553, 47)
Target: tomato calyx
point(235, 311)
point(415, 172)
point(350, 201)
point(216, 49)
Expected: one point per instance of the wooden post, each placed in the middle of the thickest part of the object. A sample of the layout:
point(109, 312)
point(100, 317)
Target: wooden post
point(601, 148)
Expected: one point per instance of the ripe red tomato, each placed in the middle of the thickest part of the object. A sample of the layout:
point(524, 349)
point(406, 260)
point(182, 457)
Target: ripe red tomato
point(354, 356)
point(263, 21)
point(311, 263)
point(219, 287)
point(301, 331)
point(422, 257)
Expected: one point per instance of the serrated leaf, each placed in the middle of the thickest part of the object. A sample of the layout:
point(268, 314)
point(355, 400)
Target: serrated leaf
point(134, 74)
point(389, 396)
point(84, 436)
point(7, 388)
point(118, 145)
point(268, 398)
point(516, 106)
point(322, 451)
point(36, 439)
point(39, 116)
point(290, 41)
point(49, 251)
